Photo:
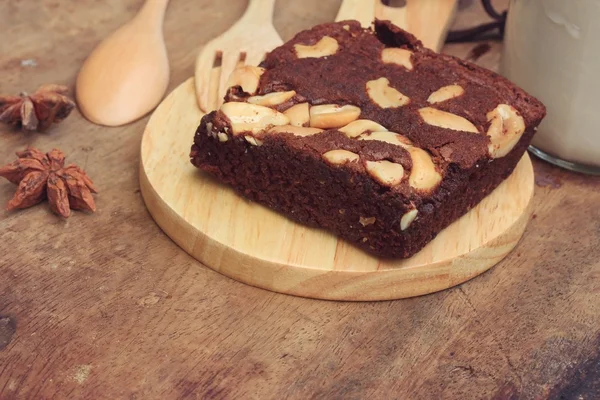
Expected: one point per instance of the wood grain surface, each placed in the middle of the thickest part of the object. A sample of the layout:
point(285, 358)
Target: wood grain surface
point(106, 306)
point(257, 246)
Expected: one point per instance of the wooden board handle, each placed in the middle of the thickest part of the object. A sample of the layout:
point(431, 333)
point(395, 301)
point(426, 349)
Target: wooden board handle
point(360, 10)
point(428, 20)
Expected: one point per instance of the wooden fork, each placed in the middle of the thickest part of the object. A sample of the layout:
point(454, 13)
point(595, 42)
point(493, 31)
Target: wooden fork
point(246, 42)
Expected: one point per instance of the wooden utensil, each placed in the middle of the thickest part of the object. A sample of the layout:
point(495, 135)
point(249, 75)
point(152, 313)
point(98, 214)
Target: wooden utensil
point(255, 245)
point(246, 42)
point(127, 75)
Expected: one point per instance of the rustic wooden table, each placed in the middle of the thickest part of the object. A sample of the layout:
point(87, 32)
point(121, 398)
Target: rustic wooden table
point(106, 306)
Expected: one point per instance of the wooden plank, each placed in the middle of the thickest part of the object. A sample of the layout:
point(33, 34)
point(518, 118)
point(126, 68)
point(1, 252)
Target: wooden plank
point(106, 306)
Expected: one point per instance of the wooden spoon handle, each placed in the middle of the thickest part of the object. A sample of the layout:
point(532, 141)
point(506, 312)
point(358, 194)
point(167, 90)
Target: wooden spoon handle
point(153, 12)
point(360, 10)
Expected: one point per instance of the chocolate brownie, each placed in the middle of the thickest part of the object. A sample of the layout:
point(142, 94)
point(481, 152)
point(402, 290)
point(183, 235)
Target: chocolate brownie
point(366, 133)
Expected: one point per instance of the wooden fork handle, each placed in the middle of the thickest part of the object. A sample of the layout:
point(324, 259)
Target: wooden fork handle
point(259, 12)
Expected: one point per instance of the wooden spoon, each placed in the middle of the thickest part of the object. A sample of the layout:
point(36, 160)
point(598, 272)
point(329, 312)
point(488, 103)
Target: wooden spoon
point(126, 76)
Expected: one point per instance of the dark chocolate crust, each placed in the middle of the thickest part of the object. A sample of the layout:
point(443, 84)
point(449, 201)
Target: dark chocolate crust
point(287, 173)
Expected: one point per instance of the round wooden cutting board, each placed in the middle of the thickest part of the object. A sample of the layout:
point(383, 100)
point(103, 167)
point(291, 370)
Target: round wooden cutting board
point(257, 246)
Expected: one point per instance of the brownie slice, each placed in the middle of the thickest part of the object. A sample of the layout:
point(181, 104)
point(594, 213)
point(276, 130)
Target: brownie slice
point(366, 133)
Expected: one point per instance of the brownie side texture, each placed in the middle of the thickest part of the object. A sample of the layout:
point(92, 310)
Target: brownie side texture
point(441, 135)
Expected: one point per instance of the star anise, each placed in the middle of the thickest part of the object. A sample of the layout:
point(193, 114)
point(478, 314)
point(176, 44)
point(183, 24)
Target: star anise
point(42, 176)
point(49, 104)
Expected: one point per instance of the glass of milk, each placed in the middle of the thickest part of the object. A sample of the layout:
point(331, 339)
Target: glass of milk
point(552, 50)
